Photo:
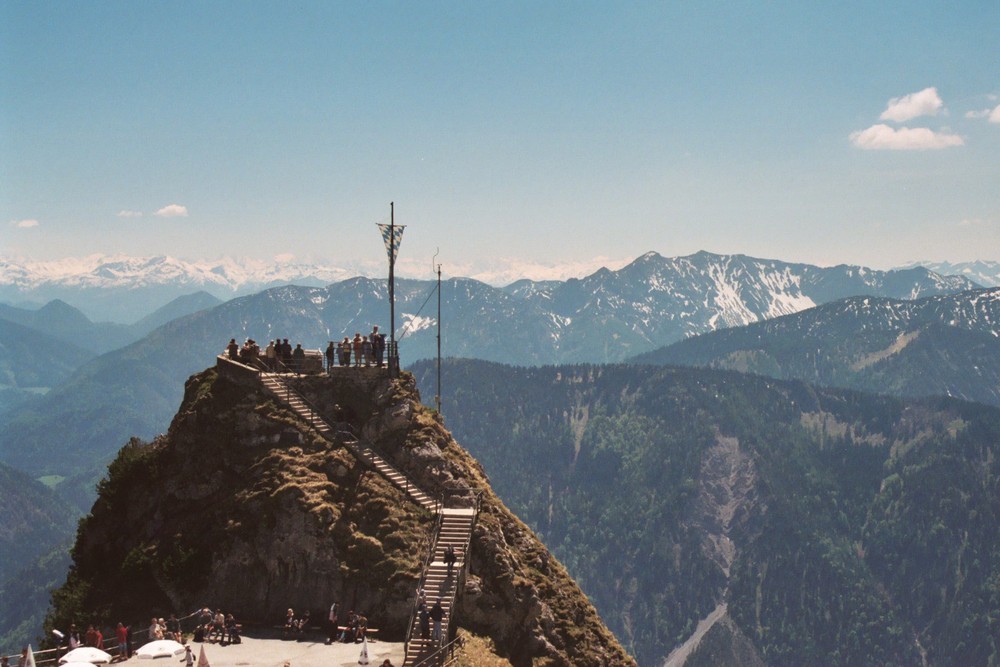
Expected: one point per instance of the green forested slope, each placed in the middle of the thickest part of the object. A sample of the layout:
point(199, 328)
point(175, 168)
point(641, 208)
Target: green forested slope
point(863, 528)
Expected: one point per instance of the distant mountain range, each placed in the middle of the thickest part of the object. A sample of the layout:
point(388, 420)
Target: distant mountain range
point(985, 273)
point(939, 345)
point(123, 289)
point(605, 317)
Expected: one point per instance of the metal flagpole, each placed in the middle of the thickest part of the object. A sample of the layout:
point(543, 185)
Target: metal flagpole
point(393, 353)
point(392, 235)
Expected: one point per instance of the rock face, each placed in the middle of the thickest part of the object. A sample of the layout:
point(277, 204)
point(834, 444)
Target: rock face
point(516, 592)
point(243, 506)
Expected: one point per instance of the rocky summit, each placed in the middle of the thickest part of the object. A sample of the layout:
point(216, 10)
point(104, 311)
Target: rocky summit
point(247, 505)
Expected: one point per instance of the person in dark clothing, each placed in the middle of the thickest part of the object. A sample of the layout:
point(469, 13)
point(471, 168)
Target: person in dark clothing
point(173, 628)
point(378, 345)
point(345, 352)
point(286, 352)
point(425, 622)
point(331, 353)
point(233, 630)
point(298, 358)
point(437, 615)
point(450, 558)
point(233, 349)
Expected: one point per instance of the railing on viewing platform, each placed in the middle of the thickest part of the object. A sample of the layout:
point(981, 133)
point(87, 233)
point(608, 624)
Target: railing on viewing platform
point(314, 363)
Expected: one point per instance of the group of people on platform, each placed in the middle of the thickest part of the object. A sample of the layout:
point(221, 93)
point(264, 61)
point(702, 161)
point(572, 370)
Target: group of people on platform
point(354, 627)
point(123, 640)
point(280, 356)
point(220, 627)
point(94, 638)
point(277, 356)
point(165, 629)
point(367, 350)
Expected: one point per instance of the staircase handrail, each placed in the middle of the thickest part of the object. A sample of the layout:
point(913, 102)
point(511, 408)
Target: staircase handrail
point(435, 657)
point(314, 413)
point(424, 569)
point(464, 570)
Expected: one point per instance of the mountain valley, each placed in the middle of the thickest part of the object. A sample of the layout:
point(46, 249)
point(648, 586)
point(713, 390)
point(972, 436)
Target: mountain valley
point(799, 525)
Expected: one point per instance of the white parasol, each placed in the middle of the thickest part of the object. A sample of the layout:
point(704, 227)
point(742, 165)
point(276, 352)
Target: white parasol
point(89, 654)
point(161, 648)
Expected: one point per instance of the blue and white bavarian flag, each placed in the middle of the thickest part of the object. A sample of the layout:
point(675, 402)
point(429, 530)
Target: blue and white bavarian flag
point(392, 235)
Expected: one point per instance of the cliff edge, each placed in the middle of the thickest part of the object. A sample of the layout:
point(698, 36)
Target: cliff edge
point(244, 506)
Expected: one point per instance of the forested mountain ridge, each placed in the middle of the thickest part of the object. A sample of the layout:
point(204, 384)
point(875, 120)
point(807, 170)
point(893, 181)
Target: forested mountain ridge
point(821, 526)
point(32, 362)
point(35, 526)
point(938, 345)
point(32, 520)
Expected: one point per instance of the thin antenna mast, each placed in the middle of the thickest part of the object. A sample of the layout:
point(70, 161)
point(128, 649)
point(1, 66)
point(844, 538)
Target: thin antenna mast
point(437, 398)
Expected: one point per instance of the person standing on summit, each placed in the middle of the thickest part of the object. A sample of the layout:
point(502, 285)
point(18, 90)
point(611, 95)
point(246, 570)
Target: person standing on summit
point(331, 357)
point(357, 349)
point(378, 345)
point(366, 351)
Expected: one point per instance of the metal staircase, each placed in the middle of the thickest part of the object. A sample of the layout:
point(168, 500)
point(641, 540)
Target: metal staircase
point(438, 583)
point(454, 525)
point(274, 383)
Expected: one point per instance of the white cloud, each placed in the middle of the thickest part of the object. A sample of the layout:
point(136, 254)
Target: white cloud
point(883, 137)
point(284, 258)
point(25, 224)
point(125, 213)
point(505, 270)
point(173, 211)
point(901, 109)
point(992, 114)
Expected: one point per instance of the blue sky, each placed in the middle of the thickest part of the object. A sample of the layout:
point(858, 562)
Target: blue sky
point(532, 135)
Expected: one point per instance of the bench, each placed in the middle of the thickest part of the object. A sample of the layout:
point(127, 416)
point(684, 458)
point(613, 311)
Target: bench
point(369, 632)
